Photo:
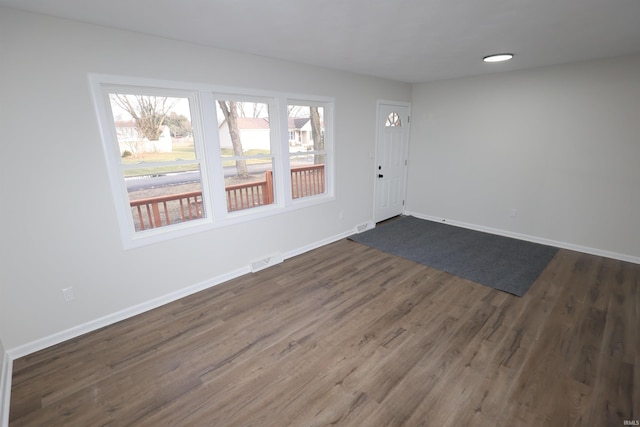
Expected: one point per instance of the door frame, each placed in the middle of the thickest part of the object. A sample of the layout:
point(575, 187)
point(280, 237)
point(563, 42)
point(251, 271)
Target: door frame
point(402, 104)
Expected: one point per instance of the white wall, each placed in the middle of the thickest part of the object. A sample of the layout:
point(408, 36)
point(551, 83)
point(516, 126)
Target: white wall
point(5, 385)
point(58, 223)
point(559, 144)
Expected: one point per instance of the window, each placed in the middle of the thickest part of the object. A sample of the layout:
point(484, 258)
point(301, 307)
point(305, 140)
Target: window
point(393, 120)
point(307, 158)
point(183, 157)
point(156, 144)
point(244, 132)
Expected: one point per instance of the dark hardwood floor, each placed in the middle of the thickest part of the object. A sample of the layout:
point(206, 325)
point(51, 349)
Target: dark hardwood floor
point(347, 335)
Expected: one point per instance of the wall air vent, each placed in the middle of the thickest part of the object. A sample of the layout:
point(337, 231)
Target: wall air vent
point(267, 262)
point(365, 226)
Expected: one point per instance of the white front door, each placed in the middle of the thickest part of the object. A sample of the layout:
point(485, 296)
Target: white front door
point(391, 159)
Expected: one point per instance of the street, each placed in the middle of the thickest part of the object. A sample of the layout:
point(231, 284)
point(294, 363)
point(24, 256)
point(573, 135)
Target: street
point(144, 182)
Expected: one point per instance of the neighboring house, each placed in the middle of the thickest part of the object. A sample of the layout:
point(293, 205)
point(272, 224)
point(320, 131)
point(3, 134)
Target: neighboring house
point(300, 132)
point(255, 133)
point(129, 139)
point(127, 132)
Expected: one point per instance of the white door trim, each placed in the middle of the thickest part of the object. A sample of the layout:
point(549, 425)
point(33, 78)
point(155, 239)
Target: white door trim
point(401, 104)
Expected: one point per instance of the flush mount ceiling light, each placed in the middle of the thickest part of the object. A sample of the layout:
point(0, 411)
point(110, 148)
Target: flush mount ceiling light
point(498, 57)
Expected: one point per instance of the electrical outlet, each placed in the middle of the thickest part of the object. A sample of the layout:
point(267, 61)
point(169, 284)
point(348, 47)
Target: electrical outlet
point(68, 294)
point(513, 213)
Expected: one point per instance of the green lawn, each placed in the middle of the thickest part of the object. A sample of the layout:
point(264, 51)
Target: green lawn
point(184, 152)
point(228, 152)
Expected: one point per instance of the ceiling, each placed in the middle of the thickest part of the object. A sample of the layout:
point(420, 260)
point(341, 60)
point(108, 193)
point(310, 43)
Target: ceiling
point(406, 40)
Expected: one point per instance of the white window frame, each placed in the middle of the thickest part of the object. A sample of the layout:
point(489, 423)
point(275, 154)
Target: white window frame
point(328, 149)
point(204, 124)
point(219, 186)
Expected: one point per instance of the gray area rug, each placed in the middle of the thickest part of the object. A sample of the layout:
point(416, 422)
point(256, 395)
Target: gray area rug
point(503, 263)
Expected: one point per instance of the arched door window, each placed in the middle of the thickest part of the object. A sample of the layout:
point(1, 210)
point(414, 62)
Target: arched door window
point(393, 120)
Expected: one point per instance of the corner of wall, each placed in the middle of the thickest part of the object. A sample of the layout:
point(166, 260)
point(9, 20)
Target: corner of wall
point(5, 386)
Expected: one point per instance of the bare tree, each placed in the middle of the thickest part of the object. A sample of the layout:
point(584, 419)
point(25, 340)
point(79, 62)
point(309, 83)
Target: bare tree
point(295, 110)
point(256, 109)
point(149, 112)
point(230, 112)
point(316, 134)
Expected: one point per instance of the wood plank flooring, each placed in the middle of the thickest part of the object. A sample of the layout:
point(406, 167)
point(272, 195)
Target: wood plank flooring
point(347, 335)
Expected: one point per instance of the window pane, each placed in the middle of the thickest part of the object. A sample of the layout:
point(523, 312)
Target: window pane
point(250, 191)
point(307, 148)
point(152, 128)
point(245, 153)
point(307, 176)
point(158, 158)
point(393, 120)
point(158, 200)
point(306, 128)
point(243, 128)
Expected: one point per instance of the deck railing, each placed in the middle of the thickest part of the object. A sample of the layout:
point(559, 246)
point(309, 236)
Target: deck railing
point(164, 210)
point(251, 194)
point(307, 181)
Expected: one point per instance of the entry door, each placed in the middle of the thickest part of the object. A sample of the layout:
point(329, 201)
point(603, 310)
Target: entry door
point(391, 160)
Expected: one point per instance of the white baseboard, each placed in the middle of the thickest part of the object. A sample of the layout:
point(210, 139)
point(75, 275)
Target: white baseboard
point(109, 319)
point(318, 244)
point(10, 355)
point(118, 316)
point(6, 365)
point(528, 238)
